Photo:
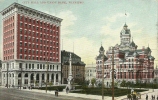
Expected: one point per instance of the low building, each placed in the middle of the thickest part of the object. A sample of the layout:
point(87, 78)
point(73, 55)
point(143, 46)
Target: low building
point(78, 67)
point(90, 72)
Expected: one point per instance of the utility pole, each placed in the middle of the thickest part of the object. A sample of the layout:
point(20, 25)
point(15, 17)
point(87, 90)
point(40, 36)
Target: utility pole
point(7, 73)
point(112, 73)
point(103, 77)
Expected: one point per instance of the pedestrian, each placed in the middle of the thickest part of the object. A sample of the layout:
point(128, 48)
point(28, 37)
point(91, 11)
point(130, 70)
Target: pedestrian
point(157, 97)
point(57, 92)
point(154, 97)
point(67, 90)
point(146, 97)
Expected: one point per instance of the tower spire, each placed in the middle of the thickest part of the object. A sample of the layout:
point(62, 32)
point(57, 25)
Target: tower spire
point(125, 16)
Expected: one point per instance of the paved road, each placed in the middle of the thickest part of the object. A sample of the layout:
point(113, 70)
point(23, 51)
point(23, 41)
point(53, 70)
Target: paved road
point(15, 94)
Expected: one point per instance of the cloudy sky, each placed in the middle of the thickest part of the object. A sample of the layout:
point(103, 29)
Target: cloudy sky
point(88, 23)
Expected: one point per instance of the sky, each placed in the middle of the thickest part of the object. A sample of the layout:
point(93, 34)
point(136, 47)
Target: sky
point(89, 23)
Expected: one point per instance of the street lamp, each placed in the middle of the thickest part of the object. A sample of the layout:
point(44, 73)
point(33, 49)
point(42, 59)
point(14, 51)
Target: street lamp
point(7, 73)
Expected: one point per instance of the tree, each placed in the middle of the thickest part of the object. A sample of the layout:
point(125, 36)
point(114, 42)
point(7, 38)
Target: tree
point(123, 83)
point(93, 80)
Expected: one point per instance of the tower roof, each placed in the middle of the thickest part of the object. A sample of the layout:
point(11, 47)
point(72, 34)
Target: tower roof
point(125, 25)
point(101, 48)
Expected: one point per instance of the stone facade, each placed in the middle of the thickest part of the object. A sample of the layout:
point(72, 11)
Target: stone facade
point(31, 47)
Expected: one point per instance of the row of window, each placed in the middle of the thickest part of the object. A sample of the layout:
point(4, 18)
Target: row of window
point(29, 51)
point(11, 37)
point(29, 45)
point(9, 20)
point(38, 58)
point(9, 51)
point(38, 40)
point(8, 57)
point(37, 22)
point(8, 45)
point(38, 28)
point(7, 27)
point(8, 32)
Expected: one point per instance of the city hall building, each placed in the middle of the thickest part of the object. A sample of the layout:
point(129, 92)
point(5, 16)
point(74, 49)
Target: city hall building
point(31, 47)
point(130, 64)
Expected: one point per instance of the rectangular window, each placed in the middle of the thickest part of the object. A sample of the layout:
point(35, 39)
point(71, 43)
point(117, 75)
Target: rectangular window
point(32, 66)
point(20, 66)
point(26, 66)
point(29, 66)
point(37, 66)
point(20, 43)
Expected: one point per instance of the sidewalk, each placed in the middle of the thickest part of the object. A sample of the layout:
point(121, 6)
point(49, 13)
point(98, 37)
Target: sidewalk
point(97, 97)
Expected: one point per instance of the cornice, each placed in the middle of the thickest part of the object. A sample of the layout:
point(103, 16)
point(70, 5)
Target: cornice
point(30, 11)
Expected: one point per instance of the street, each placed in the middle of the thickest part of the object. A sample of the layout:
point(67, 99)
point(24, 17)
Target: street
point(15, 94)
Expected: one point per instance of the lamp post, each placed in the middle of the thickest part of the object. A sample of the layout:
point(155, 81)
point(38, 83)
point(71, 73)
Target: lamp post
point(21, 77)
point(46, 75)
point(7, 73)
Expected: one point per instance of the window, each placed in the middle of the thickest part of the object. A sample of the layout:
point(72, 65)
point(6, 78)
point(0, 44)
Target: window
point(36, 52)
point(26, 66)
point(25, 51)
point(20, 43)
point(37, 66)
point(25, 19)
point(21, 24)
point(20, 66)
point(25, 44)
point(32, 66)
point(21, 17)
point(40, 66)
point(29, 66)
point(25, 38)
point(21, 37)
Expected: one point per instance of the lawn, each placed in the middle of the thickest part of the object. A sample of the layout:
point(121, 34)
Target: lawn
point(107, 91)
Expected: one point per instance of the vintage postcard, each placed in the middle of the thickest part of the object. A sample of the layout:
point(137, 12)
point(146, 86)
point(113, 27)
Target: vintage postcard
point(78, 49)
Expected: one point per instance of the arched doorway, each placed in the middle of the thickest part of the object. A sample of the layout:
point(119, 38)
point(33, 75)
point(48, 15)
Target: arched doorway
point(26, 79)
point(56, 77)
point(37, 78)
point(31, 78)
point(52, 77)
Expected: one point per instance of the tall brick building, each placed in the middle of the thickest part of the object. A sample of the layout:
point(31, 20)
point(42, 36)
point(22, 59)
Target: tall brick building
point(31, 42)
point(130, 64)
